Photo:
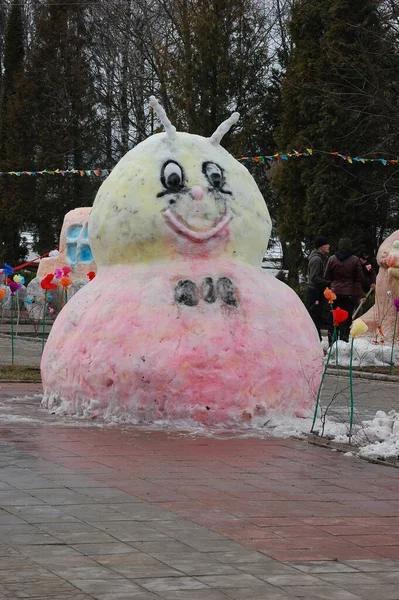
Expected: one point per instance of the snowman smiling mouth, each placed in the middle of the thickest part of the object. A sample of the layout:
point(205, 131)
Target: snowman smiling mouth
point(180, 226)
point(174, 182)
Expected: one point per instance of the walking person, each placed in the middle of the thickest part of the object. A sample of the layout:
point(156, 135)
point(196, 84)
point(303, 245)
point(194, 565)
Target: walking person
point(344, 270)
point(316, 281)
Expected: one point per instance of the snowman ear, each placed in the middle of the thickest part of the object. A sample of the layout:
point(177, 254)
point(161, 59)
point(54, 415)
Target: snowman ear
point(224, 128)
point(162, 116)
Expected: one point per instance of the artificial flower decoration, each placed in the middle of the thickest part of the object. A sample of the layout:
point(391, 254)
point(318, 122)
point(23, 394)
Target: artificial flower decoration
point(66, 270)
point(91, 275)
point(368, 267)
point(14, 287)
point(51, 310)
point(329, 295)
point(58, 273)
point(2, 293)
point(339, 316)
point(7, 269)
point(28, 301)
point(46, 284)
point(396, 303)
point(18, 279)
point(65, 282)
point(358, 327)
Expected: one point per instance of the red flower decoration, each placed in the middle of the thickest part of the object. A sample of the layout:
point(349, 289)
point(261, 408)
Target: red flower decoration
point(339, 316)
point(66, 270)
point(91, 275)
point(46, 284)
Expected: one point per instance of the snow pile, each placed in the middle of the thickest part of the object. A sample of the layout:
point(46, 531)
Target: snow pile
point(381, 436)
point(365, 354)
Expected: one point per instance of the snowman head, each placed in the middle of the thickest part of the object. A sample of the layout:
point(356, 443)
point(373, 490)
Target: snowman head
point(178, 194)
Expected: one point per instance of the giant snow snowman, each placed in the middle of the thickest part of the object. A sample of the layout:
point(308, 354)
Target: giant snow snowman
point(181, 322)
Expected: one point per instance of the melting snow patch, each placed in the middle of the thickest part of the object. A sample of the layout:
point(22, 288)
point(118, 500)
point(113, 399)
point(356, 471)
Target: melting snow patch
point(365, 353)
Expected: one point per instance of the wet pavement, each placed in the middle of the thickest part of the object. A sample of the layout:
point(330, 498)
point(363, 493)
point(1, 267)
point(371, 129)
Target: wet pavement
point(115, 513)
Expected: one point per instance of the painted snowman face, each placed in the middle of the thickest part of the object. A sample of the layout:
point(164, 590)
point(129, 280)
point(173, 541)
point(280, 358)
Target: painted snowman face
point(178, 196)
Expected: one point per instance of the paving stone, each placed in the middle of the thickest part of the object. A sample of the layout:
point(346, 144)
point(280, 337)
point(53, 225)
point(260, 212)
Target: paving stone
point(150, 571)
point(373, 565)
point(327, 566)
point(378, 591)
point(97, 586)
point(266, 592)
point(138, 595)
point(195, 595)
point(164, 584)
point(74, 572)
point(296, 580)
point(93, 549)
point(321, 593)
point(223, 581)
point(203, 567)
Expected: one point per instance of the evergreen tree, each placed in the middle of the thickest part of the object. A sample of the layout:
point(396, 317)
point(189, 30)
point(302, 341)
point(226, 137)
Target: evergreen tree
point(336, 96)
point(12, 141)
point(59, 96)
point(212, 59)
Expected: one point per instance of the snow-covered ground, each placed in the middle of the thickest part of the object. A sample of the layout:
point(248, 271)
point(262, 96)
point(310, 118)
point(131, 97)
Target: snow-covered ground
point(365, 353)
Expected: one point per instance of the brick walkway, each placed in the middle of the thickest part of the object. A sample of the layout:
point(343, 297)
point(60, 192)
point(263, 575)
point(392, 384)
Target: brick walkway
point(134, 513)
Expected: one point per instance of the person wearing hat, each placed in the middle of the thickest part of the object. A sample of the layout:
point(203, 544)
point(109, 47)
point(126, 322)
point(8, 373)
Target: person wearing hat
point(317, 283)
point(346, 275)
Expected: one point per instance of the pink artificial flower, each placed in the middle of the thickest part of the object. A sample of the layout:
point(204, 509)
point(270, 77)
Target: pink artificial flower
point(368, 267)
point(59, 273)
point(51, 310)
point(396, 303)
point(66, 270)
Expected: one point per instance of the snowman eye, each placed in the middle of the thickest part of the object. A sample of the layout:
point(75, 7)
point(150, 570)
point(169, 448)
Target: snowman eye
point(172, 177)
point(214, 174)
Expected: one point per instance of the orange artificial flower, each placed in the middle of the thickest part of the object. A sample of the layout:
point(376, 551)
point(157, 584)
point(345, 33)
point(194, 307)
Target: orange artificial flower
point(65, 282)
point(329, 295)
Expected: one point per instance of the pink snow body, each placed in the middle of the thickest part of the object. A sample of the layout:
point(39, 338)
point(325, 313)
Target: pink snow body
point(132, 349)
point(180, 321)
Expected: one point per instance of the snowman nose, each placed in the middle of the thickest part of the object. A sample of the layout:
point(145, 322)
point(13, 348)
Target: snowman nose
point(197, 192)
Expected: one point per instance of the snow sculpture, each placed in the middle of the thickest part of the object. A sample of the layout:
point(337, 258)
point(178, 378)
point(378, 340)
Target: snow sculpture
point(181, 321)
point(74, 252)
point(381, 317)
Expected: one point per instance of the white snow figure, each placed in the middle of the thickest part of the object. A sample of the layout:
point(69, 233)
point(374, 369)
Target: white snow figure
point(181, 322)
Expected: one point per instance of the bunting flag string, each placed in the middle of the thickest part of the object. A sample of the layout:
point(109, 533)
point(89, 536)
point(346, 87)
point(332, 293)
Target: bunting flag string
point(81, 172)
point(312, 151)
point(255, 159)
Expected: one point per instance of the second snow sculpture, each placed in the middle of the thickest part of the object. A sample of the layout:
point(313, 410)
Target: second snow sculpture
point(180, 321)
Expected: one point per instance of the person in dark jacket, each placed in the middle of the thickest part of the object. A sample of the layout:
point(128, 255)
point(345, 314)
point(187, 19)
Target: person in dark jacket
point(369, 274)
point(316, 281)
point(346, 275)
